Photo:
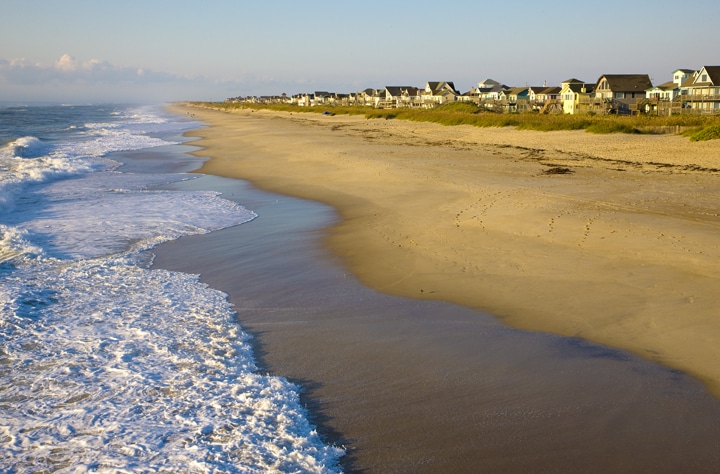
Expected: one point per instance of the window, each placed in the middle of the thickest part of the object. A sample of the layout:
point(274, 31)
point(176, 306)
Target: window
point(704, 78)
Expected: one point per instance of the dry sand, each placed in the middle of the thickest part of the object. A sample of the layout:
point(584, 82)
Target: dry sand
point(624, 250)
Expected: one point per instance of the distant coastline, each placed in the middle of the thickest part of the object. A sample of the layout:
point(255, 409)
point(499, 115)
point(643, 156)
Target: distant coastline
point(690, 91)
point(696, 127)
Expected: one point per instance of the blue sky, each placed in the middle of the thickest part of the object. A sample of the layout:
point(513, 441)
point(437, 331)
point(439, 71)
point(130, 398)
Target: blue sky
point(158, 50)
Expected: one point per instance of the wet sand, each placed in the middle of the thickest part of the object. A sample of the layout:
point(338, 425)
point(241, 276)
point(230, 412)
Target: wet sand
point(425, 386)
point(412, 385)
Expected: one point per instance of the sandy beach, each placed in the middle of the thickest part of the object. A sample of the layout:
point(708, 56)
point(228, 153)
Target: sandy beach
point(623, 251)
point(408, 360)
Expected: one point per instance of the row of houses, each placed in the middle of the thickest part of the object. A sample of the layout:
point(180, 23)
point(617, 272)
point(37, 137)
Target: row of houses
point(689, 91)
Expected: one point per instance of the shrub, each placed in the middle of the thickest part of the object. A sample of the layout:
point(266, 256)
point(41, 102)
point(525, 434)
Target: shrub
point(708, 133)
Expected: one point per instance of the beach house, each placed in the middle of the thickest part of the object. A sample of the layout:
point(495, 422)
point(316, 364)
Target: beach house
point(438, 93)
point(488, 93)
point(700, 93)
point(666, 91)
point(619, 93)
point(661, 99)
point(575, 96)
point(489, 90)
point(689, 91)
point(399, 97)
point(541, 98)
point(515, 99)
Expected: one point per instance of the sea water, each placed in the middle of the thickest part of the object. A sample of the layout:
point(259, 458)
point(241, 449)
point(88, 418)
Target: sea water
point(106, 364)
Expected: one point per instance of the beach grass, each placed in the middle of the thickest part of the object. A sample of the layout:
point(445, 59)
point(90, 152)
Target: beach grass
point(696, 127)
point(711, 132)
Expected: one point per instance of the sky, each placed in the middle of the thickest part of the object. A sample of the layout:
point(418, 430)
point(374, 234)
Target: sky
point(91, 51)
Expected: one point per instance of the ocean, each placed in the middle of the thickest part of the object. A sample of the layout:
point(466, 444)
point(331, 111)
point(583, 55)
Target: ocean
point(106, 363)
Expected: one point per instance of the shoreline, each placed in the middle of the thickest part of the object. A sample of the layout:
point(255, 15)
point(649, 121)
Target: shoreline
point(622, 251)
point(416, 385)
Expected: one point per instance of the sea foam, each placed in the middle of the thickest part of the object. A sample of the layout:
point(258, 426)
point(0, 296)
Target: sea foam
point(108, 366)
point(105, 364)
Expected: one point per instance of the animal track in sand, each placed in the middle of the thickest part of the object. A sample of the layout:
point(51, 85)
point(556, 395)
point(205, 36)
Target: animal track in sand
point(479, 209)
point(552, 222)
point(571, 226)
point(586, 233)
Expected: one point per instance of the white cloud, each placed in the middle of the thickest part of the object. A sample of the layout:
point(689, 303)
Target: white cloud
point(68, 69)
point(67, 63)
point(69, 78)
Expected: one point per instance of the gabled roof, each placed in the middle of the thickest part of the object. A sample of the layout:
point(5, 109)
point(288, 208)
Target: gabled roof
point(550, 90)
point(666, 86)
point(627, 82)
point(439, 87)
point(688, 82)
point(579, 86)
point(517, 90)
point(713, 73)
point(399, 90)
point(488, 83)
point(572, 81)
point(544, 89)
point(434, 86)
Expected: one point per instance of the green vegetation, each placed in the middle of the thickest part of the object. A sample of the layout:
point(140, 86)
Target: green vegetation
point(696, 127)
point(608, 126)
point(711, 132)
point(337, 110)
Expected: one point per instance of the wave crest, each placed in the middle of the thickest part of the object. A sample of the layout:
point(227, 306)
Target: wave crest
point(26, 147)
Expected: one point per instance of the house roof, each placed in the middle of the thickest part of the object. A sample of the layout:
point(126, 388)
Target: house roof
point(666, 86)
point(434, 86)
point(579, 86)
point(517, 90)
point(439, 87)
point(497, 88)
point(488, 83)
point(544, 89)
point(713, 73)
point(398, 90)
point(550, 90)
point(627, 82)
point(688, 82)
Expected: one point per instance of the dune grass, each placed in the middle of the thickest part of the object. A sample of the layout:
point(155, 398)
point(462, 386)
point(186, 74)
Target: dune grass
point(696, 127)
point(711, 132)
